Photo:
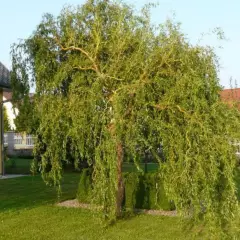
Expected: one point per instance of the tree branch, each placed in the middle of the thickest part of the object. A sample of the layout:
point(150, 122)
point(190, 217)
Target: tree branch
point(84, 68)
point(94, 67)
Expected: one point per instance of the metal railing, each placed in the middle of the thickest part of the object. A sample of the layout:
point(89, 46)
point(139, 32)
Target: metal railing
point(30, 140)
point(18, 138)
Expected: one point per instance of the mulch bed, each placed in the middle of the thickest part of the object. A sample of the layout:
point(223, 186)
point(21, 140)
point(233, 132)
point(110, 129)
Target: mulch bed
point(75, 204)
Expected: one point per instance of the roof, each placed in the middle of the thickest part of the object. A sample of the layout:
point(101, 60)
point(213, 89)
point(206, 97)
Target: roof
point(4, 77)
point(231, 96)
point(7, 95)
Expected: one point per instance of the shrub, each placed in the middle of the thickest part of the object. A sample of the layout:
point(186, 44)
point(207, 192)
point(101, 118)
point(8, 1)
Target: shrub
point(12, 163)
point(131, 182)
point(141, 191)
point(149, 194)
point(85, 186)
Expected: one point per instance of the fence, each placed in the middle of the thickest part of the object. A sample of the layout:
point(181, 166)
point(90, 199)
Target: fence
point(23, 141)
point(142, 167)
point(18, 139)
point(30, 140)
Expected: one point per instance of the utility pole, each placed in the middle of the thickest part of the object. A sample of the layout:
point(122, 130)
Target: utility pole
point(1, 135)
point(2, 168)
point(4, 86)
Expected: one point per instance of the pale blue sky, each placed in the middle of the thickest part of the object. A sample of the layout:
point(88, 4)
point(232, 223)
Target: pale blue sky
point(18, 18)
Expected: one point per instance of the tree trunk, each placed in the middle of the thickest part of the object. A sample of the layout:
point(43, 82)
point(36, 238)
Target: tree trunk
point(120, 184)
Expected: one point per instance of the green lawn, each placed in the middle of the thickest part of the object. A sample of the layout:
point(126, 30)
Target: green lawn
point(27, 212)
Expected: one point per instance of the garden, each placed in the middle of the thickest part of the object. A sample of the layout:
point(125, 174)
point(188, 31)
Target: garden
point(28, 211)
point(129, 114)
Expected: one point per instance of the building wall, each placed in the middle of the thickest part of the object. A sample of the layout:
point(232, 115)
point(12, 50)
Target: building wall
point(9, 107)
point(14, 149)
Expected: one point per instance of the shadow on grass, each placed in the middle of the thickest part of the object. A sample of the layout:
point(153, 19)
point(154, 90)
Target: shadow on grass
point(31, 191)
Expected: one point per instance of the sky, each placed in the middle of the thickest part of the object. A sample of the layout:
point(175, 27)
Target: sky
point(19, 18)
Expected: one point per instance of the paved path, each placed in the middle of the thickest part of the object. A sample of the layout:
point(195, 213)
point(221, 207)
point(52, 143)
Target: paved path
point(6, 176)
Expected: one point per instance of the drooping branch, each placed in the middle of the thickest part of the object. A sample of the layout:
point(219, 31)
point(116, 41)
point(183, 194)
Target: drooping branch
point(94, 67)
point(84, 68)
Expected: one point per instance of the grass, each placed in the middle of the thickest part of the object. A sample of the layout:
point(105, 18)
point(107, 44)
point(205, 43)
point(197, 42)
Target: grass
point(55, 223)
point(27, 212)
point(29, 192)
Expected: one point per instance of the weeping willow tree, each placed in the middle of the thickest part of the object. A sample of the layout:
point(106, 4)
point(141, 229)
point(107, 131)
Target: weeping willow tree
point(113, 86)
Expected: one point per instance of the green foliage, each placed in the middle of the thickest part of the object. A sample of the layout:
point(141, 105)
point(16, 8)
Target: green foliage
point(12, 163)
point(141, 167)
point(16, 165)
point(141, 191)
point(106, 77)
point(145, 192)
point(7, 126)
point(131, 187)
point(5, 155)
point(26, 120)
point(84, 192)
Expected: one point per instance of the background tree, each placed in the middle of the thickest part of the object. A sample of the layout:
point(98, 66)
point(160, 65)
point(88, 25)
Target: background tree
point(7, 125)
point(26, 119)
point(115, 85)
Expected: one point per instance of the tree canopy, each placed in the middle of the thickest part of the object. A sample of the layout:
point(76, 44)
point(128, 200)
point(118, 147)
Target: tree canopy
point(114, 85)
point(6, 124)
point(27, 119)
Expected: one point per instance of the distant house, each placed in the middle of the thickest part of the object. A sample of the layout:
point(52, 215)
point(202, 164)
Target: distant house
point(4, 77)
point(231, 96)
point(7, 94)
point(9, 107)
point(18, 144)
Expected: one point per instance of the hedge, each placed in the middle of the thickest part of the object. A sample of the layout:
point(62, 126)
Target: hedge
point(141, 191)
point(84, 187)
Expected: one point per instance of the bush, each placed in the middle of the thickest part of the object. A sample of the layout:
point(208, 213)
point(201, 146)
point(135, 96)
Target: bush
point(12, 163)
point(85, 186)
point(17, 166)
point(141, 191)
point(145, 192)
point(131, 182)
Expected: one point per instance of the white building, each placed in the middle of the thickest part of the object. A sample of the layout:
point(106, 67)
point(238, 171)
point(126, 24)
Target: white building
point(9, 107)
